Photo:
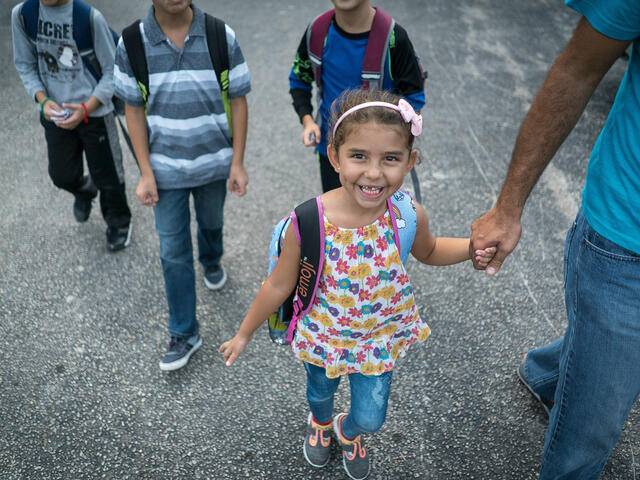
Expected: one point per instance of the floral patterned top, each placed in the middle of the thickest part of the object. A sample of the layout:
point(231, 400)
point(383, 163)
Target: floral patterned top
point(364, 314)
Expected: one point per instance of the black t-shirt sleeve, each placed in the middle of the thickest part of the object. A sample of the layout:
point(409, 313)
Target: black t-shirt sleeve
point(301, 79)
point(405, 68)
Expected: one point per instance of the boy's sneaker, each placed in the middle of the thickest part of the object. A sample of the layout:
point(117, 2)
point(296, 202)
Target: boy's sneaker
point(179, 352)
point(317, 443)
point(355, 459)
point(82, 206)
point(215, 277)
point(118, 237)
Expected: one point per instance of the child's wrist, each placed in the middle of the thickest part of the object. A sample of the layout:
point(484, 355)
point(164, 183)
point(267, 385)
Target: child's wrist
point(243, 335)
point(47, 99)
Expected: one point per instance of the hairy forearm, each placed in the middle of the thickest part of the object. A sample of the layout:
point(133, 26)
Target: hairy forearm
point(552, 116)
point(566, 91)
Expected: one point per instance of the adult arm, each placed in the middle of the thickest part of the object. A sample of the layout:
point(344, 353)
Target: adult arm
point(238, 178)
point(571, 81)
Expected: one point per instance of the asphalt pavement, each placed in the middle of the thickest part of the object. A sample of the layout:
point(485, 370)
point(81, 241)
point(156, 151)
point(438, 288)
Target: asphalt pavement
point(82, 330)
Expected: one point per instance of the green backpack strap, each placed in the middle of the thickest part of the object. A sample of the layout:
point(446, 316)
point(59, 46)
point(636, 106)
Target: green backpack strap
point(219, 52)
point(132, 39)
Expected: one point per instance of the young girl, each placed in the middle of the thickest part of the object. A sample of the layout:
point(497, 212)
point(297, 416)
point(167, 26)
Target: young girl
point(364, 316)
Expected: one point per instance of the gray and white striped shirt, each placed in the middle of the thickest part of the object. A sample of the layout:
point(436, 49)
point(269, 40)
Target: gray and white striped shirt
point(189, 140)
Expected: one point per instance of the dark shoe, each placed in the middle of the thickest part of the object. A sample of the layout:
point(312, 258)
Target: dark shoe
point(215, 277)
point(82, 206)
point(317, 443)
point(179, 352)
point(118, 237)
point(355, 459)
point(545, 402)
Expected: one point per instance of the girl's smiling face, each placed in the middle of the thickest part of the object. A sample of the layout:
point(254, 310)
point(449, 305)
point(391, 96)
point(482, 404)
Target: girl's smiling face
point(372, 163)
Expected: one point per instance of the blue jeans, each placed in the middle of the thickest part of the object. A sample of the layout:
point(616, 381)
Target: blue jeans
point(369, 399)
point(173, 224)
point(593, 372)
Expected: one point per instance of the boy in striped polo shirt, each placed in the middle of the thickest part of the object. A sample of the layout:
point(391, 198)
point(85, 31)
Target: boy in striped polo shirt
point(184, 147)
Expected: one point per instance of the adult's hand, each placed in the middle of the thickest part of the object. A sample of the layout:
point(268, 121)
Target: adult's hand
point(495, 228)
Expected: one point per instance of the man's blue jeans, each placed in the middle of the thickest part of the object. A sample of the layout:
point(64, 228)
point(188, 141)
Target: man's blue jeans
point(173, 224)
point(369, 399)
point(593, 372)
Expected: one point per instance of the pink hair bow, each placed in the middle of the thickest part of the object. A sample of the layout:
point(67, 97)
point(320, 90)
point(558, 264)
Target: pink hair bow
point(409, 115)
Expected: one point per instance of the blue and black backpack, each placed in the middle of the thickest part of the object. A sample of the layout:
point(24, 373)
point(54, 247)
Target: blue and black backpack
point(308, 222)
point(82, 35)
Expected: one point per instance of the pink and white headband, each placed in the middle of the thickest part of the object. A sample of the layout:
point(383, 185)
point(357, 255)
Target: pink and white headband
point(407, 112)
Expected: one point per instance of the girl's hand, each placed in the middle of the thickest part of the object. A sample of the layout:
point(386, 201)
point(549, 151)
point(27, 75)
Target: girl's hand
point(233, 348)
point(483, 257)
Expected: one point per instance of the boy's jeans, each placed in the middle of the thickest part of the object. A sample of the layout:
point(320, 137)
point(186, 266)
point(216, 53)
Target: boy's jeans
point(173, 224)
point(593, 373)
point(369, 399)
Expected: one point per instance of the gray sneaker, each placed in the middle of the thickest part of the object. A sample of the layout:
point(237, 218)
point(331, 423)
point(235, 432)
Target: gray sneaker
point(215, 277)
point(317, 443)
point(355, 459)
point(179, 352)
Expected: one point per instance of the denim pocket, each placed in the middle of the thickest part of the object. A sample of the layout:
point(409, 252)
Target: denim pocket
point(603, 246)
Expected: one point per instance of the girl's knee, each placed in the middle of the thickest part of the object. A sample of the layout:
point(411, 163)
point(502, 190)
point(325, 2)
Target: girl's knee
point(370, 421)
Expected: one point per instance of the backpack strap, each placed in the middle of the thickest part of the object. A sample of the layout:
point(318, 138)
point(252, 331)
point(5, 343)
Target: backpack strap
point(132, 39)
point(308, 222)
point(219, 53)
point(316, 36)
point(30, 11)
point(376, 52)
point(83, 36)
point(405, 221)
point(82, 27)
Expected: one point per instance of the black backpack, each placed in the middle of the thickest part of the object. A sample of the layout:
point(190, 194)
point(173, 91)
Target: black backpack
point(82, 35)
point(218, 51)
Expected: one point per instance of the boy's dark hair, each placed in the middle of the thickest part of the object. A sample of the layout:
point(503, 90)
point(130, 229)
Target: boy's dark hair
point(351, 98)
